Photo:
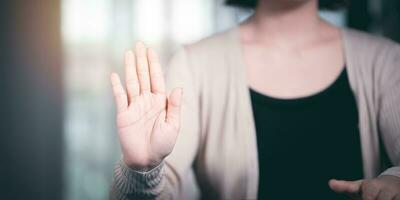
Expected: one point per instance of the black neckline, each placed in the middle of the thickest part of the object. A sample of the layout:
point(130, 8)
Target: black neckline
point(263, 98)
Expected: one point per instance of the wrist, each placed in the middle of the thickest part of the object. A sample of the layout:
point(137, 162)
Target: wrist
point(141, 166)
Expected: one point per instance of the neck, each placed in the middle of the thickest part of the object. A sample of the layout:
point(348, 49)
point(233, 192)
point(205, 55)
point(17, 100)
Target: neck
point(294, 21)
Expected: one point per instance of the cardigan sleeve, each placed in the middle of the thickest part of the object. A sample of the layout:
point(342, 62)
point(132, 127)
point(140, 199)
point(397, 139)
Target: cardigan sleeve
point(175, 177)
point(389, 107)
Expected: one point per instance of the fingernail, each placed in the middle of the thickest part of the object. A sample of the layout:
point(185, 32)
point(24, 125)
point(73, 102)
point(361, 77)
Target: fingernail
point(128, 53)
point(113, 76)
point(139, 44)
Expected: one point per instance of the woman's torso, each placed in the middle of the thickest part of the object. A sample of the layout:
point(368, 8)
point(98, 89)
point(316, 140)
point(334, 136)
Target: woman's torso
point(226, 163)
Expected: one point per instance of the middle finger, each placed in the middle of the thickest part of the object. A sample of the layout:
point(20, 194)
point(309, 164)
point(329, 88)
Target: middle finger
point(142, 68)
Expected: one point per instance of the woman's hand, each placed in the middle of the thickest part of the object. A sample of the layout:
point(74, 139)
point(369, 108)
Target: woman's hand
point(148, 122)
point(380, 188)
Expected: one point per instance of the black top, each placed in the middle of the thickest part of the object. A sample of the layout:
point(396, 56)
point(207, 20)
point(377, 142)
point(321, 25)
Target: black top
point(304, 142)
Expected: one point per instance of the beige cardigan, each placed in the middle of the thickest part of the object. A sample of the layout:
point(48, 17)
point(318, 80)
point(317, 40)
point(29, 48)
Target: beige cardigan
point(216, 153)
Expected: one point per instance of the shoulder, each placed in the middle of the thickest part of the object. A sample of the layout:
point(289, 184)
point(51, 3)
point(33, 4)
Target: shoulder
point(373, 59)
point(200, 61)
point(211, 54)
point(210, 49)
point(206, 51)
point(367, 45)
point(215, 42)
point(371, 54)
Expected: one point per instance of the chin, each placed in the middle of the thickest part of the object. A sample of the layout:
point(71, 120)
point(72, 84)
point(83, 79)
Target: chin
point(287, 3)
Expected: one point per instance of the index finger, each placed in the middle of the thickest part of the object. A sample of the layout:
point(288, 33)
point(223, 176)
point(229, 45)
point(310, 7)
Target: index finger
point(119, 93)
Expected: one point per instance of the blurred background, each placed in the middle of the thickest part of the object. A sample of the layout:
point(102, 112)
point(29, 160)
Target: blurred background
point(58, 133)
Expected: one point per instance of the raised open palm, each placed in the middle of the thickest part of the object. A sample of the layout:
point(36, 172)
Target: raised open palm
point(148, 121)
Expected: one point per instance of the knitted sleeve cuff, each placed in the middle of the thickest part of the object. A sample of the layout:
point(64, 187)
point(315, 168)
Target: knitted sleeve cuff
point(134, 183)
point(393, 171)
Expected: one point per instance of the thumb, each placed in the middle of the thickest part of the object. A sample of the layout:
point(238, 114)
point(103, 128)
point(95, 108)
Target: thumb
point(349, 187)
point(174, 107)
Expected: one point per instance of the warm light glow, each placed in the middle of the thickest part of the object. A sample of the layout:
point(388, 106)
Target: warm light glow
point(191, 19)
point(86, 21)
point(150, 20)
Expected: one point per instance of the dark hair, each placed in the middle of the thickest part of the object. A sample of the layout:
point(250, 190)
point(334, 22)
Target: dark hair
point(322, 4)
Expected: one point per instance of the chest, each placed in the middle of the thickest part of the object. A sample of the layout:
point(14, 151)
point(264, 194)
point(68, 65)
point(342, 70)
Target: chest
point(292, 73)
